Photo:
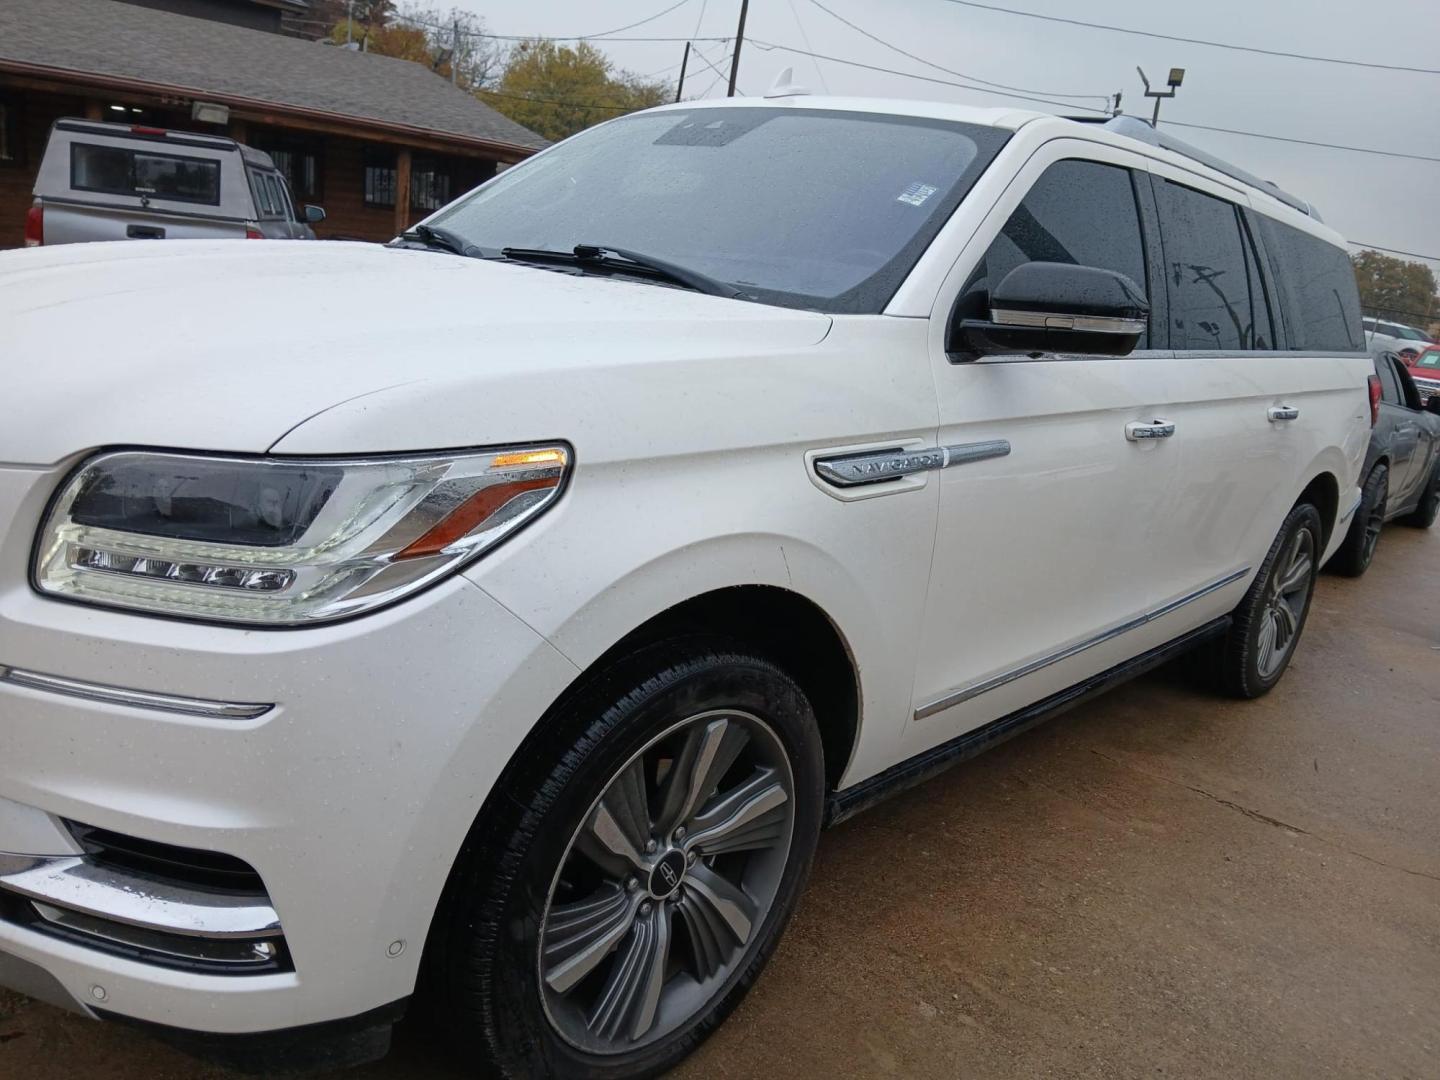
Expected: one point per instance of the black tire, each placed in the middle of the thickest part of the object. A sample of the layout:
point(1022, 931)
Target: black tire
point(1358, 551)
point(483, 959)
point(1424, 515)
point(1239, 670)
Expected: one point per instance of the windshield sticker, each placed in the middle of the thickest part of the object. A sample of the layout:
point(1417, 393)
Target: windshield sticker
point(917, 193)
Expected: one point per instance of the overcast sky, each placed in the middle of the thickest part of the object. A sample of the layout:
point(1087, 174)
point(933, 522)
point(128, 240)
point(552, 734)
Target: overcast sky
point(1385, 201)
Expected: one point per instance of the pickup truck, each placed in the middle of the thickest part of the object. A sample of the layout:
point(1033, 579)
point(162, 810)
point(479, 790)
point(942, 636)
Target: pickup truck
point(129, 182)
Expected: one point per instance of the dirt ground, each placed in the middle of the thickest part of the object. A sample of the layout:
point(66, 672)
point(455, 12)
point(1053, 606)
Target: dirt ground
point(1158, 884)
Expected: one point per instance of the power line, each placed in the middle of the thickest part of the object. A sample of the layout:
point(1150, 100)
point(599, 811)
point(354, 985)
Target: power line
point(1069, 105)
point(806, 39)
point(1193, 41)
point(1303, 142)
point(642, 22)
point(923, 78)
point(1394, 251)
point(948, 71)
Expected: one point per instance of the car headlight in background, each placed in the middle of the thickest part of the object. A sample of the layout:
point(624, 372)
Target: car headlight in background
point(283, 541)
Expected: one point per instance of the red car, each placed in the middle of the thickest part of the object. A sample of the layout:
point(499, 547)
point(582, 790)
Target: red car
point(1425, 370)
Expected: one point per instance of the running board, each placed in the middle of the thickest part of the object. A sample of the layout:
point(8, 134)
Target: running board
point(842, 805)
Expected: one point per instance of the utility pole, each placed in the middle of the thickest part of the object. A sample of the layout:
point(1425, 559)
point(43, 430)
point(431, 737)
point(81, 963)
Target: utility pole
point(1177, 76)
point(455, 50)
point(349, 21)
point(739, 40)
point(684, 62)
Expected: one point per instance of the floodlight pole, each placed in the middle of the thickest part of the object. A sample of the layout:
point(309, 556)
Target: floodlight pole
point(1177, 76)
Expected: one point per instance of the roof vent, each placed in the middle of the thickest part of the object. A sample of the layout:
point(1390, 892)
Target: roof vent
point(784, 86)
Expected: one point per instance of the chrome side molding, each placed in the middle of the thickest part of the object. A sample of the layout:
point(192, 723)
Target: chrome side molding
point(1055, 320)
point(139, 699)
point(877, 466)
point(77, 884)
point(965, 693)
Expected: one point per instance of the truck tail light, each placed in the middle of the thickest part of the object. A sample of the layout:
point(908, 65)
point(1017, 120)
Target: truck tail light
point(252, 233)
point(1374, 381)
point(35, 226)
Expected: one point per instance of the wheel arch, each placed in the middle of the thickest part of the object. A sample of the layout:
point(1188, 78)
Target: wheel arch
point(785, 626)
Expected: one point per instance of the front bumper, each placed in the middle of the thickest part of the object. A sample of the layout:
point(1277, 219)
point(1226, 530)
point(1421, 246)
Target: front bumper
point(349, 797)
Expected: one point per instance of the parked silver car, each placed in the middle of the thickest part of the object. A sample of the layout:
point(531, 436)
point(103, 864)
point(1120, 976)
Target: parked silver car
point(121, 182)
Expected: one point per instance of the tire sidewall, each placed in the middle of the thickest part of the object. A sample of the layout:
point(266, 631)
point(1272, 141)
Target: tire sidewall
point(523, 1042)
point(1253, 606)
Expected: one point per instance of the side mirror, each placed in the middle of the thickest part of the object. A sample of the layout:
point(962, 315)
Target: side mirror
point(1042, 307)
point(314, 214)
point(1432, 404)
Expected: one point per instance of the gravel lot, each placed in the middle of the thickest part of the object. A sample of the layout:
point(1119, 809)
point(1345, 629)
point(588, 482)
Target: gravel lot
point(1159, 883)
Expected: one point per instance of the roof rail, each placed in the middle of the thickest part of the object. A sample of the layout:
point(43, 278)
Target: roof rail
point(1139, 129)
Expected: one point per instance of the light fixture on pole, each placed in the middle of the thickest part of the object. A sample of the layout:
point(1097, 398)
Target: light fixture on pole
point(1177, 76)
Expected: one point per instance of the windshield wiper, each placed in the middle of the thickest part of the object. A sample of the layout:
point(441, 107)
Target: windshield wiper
point(440, 239)
point(624, 260)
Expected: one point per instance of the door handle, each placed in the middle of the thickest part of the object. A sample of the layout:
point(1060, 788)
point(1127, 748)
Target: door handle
point(144, 232)
point(1283, 412)
point(1137, 430)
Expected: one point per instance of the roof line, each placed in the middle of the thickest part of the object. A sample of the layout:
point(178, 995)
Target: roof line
point(123, 82)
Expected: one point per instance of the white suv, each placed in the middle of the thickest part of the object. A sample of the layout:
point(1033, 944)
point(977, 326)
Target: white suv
point(506, 617)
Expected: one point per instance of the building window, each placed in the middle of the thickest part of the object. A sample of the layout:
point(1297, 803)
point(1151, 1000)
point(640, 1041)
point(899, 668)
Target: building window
point(431, 183)
point(301, 162)
point(9, 134)
point(380, 179)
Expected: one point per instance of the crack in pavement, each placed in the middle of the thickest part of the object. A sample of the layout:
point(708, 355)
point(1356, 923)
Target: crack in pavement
point(1258, 816)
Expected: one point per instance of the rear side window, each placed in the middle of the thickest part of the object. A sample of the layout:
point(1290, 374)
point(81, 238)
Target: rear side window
point(1079, 212)
point(119, 170)
point(1217, 297)
point(1317, 287)
point(1389, 382)
point(268, 203)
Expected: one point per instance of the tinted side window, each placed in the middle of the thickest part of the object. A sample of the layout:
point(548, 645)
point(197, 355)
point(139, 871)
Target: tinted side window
point(1317, 286)
point(264, 203)
point(1078, 212)
point(1217, 300)
point(1389, 384)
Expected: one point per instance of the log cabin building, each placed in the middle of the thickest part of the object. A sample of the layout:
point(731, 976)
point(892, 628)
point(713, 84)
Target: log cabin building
point(378, 142)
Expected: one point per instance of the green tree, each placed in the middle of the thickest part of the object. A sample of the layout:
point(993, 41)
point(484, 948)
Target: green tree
point(1396, 289)
point(556, 90)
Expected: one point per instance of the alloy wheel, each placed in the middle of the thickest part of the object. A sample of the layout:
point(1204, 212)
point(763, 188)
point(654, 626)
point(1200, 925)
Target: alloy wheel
point(1288, 594)
point(1374, 523)
point(666, 882)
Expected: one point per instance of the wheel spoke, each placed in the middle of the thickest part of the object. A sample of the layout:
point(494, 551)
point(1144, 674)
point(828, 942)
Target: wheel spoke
point(725, 907)
point(1285, 625)
point(627, 1005)
point(749, 817)
point(708, 753)
point(578, 936)
point(1296, 576)
point(615, 835)
point(1266, 642)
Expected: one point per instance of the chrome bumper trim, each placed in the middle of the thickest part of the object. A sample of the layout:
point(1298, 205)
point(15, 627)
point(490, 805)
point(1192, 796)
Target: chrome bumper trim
point(79, 885)
point(139, 699)
point(965, 693)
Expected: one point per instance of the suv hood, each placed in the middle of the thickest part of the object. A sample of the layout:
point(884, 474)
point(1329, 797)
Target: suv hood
point(229, 345)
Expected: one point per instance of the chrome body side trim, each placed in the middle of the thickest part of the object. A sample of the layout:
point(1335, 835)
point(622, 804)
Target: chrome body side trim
point(140, 699)
point(965, 693)
point(875, 466)
point(77, 884)
point(1353, 507)
point(1059, 320)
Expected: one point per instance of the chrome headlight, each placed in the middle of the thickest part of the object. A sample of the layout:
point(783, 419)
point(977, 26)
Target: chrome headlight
point(283, 541)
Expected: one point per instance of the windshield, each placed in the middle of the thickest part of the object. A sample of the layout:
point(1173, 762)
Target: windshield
point(797, 207)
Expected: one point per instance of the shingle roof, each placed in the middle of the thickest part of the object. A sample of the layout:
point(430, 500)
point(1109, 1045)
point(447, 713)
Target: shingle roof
point(106, 37)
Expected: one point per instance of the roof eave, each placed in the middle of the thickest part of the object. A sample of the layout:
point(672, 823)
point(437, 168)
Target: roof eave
point(357, 125)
